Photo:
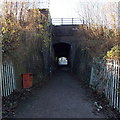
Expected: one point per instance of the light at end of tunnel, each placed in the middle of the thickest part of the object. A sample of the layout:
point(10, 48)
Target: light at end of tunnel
point(62, 61)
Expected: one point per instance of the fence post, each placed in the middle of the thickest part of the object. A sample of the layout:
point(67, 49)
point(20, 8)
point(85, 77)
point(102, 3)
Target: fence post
point(62, 21)
point(72, 21)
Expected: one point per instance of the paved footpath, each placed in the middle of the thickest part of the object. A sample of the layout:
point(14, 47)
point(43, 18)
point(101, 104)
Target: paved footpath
point(62, 97)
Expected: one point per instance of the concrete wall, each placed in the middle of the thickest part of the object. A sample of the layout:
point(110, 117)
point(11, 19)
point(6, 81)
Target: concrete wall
point(67, 34)
point(80, 60)
point(82, 65)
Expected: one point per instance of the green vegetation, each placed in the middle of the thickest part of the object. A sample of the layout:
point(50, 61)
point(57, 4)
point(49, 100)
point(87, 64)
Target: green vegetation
point(25, 37)
point(13, 30)
point(114, 53)
point(101, 32)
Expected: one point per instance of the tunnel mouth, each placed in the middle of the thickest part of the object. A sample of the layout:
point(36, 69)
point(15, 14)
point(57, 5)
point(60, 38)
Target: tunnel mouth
point(62, 51)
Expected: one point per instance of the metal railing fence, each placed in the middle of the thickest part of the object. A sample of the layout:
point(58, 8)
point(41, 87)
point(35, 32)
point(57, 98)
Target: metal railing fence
point(8, 80)
point(67, 21)
point(105, 78)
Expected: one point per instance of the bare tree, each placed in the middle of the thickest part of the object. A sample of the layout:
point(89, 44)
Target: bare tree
point(102, 32)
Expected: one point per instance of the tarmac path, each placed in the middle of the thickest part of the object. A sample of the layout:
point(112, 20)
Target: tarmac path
point(62, 97)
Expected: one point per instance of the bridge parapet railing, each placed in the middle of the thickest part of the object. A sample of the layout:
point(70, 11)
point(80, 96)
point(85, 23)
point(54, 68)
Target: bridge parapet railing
point(67, 21)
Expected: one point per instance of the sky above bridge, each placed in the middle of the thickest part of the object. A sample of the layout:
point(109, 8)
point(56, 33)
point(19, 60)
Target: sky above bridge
point(70, 8)
point(66, 8)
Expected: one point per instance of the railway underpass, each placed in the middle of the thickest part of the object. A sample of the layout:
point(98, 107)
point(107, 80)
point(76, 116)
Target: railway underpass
point(65, 95)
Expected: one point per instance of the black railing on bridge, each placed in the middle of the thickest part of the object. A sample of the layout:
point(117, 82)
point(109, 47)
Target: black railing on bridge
point(67, 21)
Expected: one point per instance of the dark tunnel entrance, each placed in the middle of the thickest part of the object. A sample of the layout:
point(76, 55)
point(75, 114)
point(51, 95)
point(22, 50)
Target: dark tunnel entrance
point(62, 54)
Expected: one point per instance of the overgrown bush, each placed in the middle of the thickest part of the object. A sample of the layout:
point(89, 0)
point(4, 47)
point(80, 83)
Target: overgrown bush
point(101, 31)
point(25, 36)
point(114, 53)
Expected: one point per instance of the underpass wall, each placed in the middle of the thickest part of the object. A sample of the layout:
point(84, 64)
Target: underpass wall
point(80, 60)
point(66, 34)
point(82, 65)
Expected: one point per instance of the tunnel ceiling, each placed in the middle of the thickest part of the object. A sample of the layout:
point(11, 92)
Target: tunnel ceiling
point(62, 49)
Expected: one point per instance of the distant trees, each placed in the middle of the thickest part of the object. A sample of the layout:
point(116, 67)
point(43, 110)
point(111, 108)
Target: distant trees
point(25, 37)
point(101, 33)
point(22, 23)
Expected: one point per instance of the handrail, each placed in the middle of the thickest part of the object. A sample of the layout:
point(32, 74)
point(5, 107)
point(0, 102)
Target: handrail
point(66, 21)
